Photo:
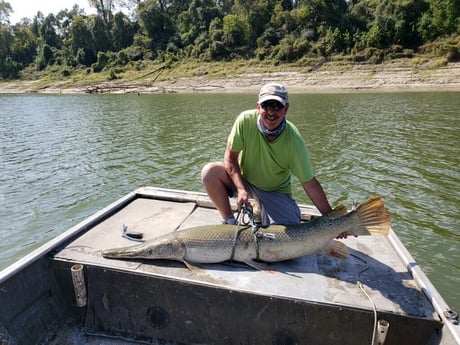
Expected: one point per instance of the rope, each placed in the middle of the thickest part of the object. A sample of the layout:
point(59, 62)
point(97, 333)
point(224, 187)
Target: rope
point(361, 287)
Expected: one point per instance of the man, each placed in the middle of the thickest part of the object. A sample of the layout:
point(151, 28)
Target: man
point(263, 151)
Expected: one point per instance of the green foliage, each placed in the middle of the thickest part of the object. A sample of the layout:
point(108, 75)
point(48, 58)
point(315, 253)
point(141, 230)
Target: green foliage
point(112, 74)
point(282, 31)
point(9, 68)
point(234, 31)
point(24, 45)
point(289, 49)
point(47, 31)
point(155, 24)
point(5, 11)
point(441, 19)
point(85, 57)
point(45, 57)
point(123, 31)
point(333, 42)
point(100, 35)
point(102, 61)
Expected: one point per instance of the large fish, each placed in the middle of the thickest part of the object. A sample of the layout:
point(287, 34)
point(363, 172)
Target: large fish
point(223, 242)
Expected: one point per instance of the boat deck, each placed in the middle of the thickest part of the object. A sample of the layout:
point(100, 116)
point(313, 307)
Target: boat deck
point(315, 299)
point(319, 278)
point(328, 283)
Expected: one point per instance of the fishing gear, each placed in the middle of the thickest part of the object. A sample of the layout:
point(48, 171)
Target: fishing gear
point(131, 235)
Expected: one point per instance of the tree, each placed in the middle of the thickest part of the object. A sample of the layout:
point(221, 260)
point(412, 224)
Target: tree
point(104, 9)
point(5, 12)
point(196, 19)
point(122, 31)
point(234, 31)
point(281, 30)
point(45, 57)
point(65, 18)
point(25, 44)
point(80, 42)
point(47, 31)
point(441, 19)
point(156, 24)
point(257, 18)
point(100, 33)
point(8, 67)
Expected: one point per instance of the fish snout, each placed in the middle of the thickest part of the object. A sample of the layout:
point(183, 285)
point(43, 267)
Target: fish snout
point(162, 248)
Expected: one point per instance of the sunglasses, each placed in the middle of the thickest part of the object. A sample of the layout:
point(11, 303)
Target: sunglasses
point(272, 105)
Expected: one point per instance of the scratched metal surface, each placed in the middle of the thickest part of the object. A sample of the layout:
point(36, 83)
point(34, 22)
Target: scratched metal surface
point(317, 278)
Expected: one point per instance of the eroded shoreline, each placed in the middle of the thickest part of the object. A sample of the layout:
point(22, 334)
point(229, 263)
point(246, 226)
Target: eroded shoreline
point(369, 78)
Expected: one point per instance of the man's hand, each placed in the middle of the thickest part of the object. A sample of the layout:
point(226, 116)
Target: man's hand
point(243, 199)
point(343, 235)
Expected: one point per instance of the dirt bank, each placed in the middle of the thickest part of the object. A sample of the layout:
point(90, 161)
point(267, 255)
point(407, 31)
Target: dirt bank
point(356, 78)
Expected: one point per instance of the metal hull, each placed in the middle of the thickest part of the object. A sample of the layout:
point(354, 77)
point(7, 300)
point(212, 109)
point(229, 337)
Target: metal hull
point(310, 300)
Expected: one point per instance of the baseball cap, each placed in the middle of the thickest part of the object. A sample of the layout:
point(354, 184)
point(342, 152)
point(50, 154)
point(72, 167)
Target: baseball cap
point(273, 91)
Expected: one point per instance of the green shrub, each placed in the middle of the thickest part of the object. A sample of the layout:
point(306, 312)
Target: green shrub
point(102, 61)
point(113, 74)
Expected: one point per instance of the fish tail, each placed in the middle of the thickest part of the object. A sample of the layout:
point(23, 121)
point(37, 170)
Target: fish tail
point(373, 218)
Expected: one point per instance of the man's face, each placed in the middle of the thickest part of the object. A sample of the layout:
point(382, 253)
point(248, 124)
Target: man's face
point(272, 113)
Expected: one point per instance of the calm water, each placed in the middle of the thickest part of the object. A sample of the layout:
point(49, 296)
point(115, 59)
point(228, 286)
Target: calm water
point(63, 157)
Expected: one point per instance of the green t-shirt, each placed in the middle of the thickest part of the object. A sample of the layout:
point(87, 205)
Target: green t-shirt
point(269, 165)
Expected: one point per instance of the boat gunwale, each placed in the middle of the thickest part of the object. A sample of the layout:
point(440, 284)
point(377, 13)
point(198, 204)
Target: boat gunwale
point(432, 294)
point(201, 199)
point(67, 235)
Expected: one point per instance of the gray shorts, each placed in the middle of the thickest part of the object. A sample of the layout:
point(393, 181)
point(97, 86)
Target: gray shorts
point(275, 207)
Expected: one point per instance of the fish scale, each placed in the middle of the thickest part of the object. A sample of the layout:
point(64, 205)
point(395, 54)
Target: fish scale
point(208, 244)
point(223, 242)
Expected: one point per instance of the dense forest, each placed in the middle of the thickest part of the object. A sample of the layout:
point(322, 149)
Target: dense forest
point(124, 33)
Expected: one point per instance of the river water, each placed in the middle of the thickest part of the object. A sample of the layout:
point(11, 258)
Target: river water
point(63, 157)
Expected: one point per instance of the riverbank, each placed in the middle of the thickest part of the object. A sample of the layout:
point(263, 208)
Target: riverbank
point(386, 77)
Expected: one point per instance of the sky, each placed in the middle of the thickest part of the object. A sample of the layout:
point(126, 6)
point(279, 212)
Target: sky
point(28, 8)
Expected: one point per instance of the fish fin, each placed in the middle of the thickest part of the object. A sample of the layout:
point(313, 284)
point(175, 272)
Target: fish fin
point(193, 267)
point(374, 218)
point(336, 249)
point(260, 266)
point(340, 210)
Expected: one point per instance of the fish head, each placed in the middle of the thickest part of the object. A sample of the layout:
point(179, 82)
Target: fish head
point(166, 247)
point(169, 248)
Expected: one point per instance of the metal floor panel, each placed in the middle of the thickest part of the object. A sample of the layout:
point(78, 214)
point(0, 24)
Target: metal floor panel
point(317, 278)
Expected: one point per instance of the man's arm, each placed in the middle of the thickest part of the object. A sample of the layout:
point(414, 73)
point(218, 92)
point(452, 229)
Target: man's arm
point(316, 194)
point(233, 170)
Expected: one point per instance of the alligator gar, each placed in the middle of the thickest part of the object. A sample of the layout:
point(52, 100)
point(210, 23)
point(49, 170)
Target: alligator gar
point(224, 242)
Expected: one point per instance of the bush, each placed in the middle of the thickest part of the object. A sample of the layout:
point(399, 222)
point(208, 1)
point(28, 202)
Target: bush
point(9, 69)
point(372, 55)
point(453, 53)
point(290, 49)
point(113, 74)
point(44, 58)
point(86, 57)
point(135, 53)
point(122, 57)
point(218, 50)
point(102, 61)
